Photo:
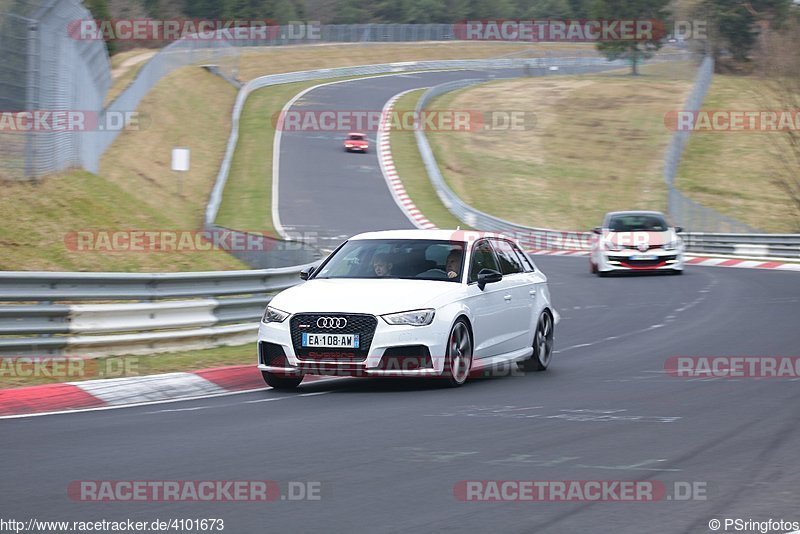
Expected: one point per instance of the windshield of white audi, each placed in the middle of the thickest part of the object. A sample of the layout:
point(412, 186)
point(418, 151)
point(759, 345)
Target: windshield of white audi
point(418, 259)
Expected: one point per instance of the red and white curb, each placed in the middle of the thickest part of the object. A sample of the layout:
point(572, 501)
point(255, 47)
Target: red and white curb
point(742, 264)
point(390, 172)
point(691, 259)
point(544, 252)
point(129, 391)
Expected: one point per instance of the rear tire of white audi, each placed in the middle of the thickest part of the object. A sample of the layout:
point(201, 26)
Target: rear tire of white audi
point(277, 381)
point(458, 360)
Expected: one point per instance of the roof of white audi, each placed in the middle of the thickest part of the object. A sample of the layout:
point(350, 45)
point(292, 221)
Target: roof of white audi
point(433, 235)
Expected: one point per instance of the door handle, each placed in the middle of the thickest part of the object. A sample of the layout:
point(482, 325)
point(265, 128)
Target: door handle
point(507, 297)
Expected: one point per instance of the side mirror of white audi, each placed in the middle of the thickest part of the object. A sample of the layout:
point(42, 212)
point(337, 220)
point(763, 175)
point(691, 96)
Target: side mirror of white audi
point(306, 273)
point(414, 303)
point(488, 276)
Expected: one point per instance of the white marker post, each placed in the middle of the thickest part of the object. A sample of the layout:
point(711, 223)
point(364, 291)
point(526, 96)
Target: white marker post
point(180, 163)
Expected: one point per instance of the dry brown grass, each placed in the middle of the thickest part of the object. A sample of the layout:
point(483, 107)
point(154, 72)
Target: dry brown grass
point(597, 145)
point(735, 172)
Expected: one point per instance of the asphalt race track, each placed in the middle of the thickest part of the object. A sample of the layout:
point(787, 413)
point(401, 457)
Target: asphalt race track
point(329, 194)
point(332, 193)
point(389, 454)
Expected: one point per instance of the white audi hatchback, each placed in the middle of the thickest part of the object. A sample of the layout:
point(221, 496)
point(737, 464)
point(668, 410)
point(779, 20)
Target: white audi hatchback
point(416, 303)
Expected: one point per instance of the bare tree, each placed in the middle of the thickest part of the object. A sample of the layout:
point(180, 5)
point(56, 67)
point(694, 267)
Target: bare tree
point(779, 74)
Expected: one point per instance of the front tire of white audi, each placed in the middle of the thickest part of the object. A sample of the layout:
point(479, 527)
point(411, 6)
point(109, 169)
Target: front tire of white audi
point(458, 360)
point(277, 381)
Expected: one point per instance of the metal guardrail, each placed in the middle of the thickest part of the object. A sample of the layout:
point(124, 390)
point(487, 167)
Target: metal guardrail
point(759, 245)
point(53, 286)
point(40, 318)
point(683, 210)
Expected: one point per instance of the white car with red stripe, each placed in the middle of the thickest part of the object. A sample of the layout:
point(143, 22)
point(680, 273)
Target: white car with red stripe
point(636, 241)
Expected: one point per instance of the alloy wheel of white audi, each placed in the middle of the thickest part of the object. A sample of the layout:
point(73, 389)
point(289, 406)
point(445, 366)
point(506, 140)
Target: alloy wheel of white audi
point(544, 339)
point(459, 354)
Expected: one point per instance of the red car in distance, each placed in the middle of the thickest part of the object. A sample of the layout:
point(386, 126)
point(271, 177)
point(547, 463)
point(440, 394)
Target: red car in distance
point(356, 142)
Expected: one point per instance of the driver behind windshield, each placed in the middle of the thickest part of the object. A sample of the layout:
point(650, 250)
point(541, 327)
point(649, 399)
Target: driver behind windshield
point(381, 265)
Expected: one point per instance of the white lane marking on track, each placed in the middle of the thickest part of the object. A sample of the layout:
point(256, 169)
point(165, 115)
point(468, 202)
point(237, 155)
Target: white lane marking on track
point(633, 467)
point(673, 313)
point(236, 404)
point(575, 347)
point(289, 397)
point(270, 399)
point(629, 379)
point(181, 409)
point(533, 460)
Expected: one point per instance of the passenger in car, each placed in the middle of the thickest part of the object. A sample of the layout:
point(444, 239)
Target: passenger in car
point(381, 265)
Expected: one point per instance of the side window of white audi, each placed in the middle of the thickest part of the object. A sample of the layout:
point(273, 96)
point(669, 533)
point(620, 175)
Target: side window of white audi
point(509, 261)
point(527, 265)
point(482, 258)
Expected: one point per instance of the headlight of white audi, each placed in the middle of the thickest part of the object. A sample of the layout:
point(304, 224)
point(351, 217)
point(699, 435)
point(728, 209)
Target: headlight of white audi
point(274, 315)
point(613, 246)
point(410, 318)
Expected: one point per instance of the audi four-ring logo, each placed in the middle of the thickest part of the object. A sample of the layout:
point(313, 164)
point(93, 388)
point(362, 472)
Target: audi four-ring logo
point(331, 322)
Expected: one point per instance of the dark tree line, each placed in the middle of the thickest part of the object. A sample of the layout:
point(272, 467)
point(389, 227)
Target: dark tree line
point(385, 11)
point(735, 27)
